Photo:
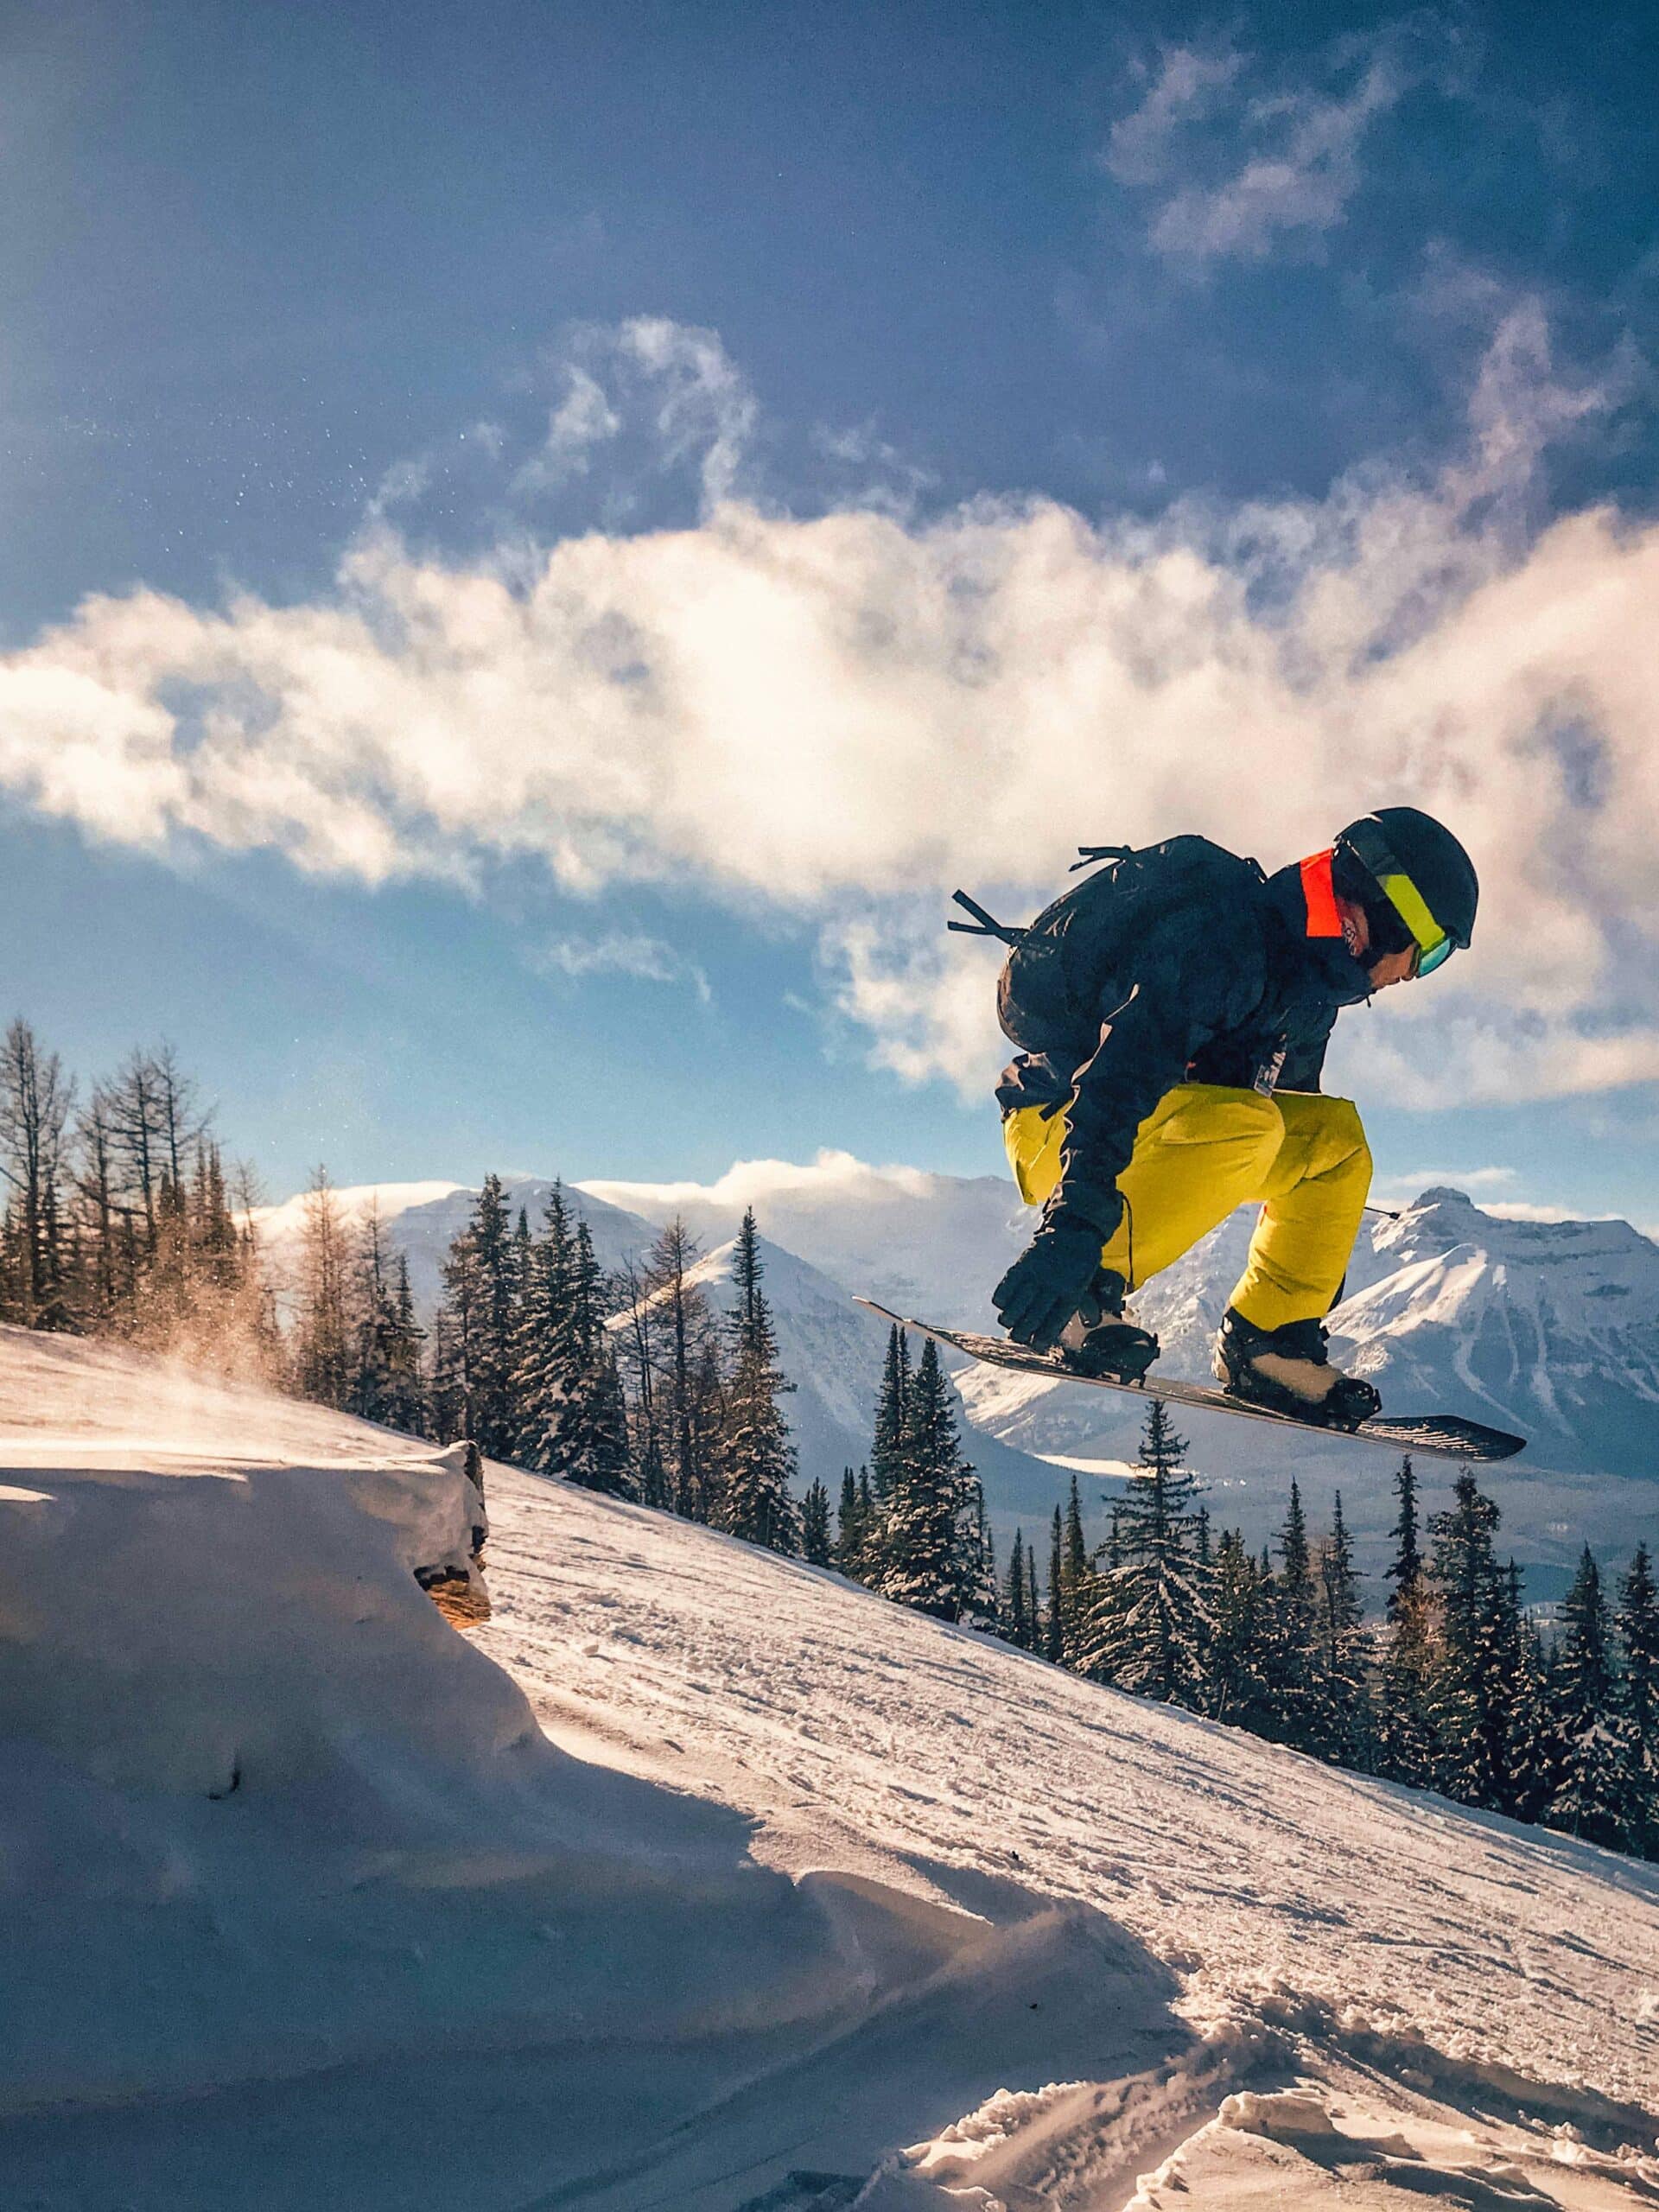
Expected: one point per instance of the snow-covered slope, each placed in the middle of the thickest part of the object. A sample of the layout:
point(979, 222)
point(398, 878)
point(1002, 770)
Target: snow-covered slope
point(299, 1906)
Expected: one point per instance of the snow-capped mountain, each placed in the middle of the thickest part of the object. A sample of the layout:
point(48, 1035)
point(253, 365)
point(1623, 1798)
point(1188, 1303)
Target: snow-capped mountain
point(1547, 1328)
point(922, 1244)
point(1551, 1329)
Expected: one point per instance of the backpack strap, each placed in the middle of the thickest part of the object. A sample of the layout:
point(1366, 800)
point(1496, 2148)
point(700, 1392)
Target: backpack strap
point(982, 924)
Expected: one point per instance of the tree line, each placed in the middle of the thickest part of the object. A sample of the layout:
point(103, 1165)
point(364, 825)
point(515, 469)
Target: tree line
point(120, 1216)
point(636, 1384)
point(1455, 1688)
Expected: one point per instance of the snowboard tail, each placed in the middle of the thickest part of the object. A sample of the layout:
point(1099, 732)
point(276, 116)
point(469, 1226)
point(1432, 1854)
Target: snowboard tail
point(1448, 1434)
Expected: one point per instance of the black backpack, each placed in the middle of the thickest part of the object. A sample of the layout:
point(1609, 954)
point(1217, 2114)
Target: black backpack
point(1049, 991)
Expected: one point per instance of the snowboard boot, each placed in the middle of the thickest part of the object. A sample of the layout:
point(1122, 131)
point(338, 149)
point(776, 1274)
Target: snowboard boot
point(1287, 1369)
point(1100, 1341)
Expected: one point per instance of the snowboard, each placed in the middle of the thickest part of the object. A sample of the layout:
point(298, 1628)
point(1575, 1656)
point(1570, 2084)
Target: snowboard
point(1448, 1434)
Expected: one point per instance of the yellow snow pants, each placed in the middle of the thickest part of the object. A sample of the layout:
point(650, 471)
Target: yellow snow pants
point(1205, 1148)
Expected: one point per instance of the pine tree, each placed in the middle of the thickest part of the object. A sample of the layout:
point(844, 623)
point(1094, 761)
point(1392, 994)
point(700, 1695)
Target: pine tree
point(1468, 1693)
point(1054, 1623)
point(1344, 1653)
point(481, 1302)
point(1636, 1630)
point(1526, 1776)
point(403, 1401)
point(1586, 1800)
point(1014, 1613)
point(922, 1564)
point(675, 1361)
point(980, 1601)
point(589, 1437)
point(814, 1525)
point(1636, 1626)
point(1405, 1749)
point(1235, 1683)
point(544, 1354)
point(1072, 1595)
point(1146, 1629)
point(887, 1447)
point(323, 1352)
point(760, 1459)
point(36, 1101)
point(849, 1541)
point(1295, 1716)
point(1034, 1604)
point(1405, 1570)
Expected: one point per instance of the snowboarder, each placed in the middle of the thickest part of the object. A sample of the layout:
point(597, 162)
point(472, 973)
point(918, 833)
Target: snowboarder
point(1172, 1012)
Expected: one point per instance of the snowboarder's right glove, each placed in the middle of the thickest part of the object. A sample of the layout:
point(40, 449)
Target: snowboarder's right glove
point(1049, 1281)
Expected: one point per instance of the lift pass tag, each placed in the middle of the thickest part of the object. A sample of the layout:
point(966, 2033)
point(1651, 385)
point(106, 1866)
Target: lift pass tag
point(1266, 1076)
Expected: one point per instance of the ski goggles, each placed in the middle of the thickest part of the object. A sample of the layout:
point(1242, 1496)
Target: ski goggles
point(1435, 944)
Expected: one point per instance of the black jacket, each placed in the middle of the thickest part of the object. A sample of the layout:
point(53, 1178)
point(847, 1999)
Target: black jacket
point(1224, 987)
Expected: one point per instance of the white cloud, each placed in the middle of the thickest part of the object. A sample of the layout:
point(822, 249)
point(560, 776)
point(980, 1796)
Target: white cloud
point(840, 719)
point(1284, 158)
point(1411, 1180)
point(831, 1178)
point(703, 403)
point(1186, 90)
point(583, 419)
point(619, 952)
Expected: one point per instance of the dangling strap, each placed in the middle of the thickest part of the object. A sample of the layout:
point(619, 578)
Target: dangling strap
point(982, 924)
point(1088, 854)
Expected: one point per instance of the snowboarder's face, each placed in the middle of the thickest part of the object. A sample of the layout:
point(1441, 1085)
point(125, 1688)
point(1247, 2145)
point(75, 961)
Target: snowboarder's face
point(1389, 967)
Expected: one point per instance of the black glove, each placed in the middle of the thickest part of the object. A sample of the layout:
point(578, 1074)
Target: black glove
point(1049, 1281)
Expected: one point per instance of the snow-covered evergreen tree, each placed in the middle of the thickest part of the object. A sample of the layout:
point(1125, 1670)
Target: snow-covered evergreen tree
point(1234, 1679)
point(814, 1525)
point(980, 1601)
point(1586, 1800)
point(1636, 1630)
point(848, 1527)
point(1405, 1723)
point(544, 1354)
point(757, 1503)
point(1147, 1624)
point(922, 1563)
point(1348, 1720)
point(481, 1304)
point(1469, 1694)
point(1289, 1638)
point(1016, 1618)
point(1054, 1615)
point(589, 1442)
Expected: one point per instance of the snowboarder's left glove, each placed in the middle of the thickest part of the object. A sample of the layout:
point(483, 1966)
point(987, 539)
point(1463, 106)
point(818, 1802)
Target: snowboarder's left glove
point(1048, 1282)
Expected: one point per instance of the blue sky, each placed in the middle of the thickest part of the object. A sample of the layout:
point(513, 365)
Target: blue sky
point(542, 540)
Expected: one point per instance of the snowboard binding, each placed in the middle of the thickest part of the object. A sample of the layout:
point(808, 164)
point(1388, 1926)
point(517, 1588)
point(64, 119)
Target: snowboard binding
point(1101, 1342)
point(1288, 1370)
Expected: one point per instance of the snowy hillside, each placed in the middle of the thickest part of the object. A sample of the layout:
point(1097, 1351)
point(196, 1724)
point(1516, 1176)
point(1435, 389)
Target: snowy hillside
point(802, 1901)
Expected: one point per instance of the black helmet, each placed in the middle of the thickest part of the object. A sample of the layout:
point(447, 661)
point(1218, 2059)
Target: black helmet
point(1414, 880)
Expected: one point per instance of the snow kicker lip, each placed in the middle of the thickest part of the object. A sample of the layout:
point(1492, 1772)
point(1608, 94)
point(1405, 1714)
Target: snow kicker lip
point(1450, 1435)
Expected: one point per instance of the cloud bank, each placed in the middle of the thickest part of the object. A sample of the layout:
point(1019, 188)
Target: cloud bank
point(839, 719)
